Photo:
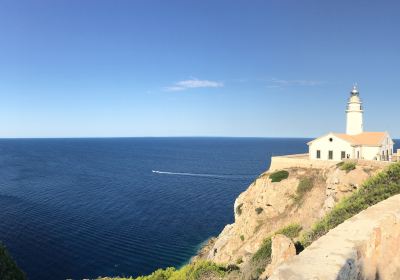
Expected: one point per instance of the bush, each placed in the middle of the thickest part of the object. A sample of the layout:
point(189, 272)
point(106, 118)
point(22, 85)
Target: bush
point(239, 209)
point(198, 270)
point(279, 176)
point(194, 271)
point(305, 185)
point(348, 166)
point(259, 210)
point(340, 164)
point(374, 190)
point(8, 268)
point(242, 237)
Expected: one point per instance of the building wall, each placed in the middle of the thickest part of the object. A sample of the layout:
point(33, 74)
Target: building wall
point(387, 146)
point(337, 145)
point(371, 153)
point(324, 144)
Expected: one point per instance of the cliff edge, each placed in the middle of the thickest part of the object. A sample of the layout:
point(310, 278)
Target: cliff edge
point(305, 196)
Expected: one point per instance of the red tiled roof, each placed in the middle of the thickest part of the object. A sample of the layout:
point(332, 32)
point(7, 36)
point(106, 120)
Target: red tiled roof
point(365, 138)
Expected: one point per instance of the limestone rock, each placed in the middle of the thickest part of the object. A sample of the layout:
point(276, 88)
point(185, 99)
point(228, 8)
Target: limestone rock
point(282, 249)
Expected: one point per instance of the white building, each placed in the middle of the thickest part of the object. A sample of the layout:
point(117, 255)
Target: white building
point(355, 143)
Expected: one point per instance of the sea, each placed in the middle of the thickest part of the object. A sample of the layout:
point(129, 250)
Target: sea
point(84, 208)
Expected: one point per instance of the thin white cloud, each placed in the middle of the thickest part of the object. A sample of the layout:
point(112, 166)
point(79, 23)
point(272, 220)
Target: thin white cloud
point(280, 82)
point(193, 83)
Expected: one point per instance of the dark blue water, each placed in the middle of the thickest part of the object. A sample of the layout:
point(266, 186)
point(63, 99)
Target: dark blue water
point(75, 208)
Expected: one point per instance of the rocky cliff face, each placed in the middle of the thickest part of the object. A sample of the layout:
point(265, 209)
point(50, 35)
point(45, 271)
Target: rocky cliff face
point(305, 196)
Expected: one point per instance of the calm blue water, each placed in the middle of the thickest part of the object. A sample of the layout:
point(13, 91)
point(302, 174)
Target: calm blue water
point(75, 208)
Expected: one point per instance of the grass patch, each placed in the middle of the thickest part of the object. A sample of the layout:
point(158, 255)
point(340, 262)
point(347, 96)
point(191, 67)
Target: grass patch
point(8, 268)
point(195, 271)
point(305, 185)
point(239, 261)
point(279, 176)
point(348, 166)
point(262, 257)
point(259, 210)
point(374, 190)
point(238, 209)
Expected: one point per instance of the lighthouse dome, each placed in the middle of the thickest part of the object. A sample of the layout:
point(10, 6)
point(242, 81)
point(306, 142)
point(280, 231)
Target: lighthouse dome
point(355, 91)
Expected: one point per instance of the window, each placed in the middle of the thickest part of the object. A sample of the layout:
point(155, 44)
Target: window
point(330, 139)
point(343, 155)
point(330, 155)
point(318, 153)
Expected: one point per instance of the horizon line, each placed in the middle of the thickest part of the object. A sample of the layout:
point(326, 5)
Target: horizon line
point(193, 136)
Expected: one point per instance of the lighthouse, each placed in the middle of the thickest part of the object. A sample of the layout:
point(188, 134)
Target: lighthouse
point(354, 113)
point(356, 143)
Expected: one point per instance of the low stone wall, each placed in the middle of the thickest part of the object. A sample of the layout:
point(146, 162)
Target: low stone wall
point(375, 163)
point(303, 161)
point(299, 161)
point(364, 247)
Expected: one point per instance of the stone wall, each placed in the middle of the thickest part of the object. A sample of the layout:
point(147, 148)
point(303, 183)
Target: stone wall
point(298, 161)
point(303, 161)
point(364, 247)
point(371, 163)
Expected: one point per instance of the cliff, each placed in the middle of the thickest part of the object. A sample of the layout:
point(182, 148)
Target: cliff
point(266, 206)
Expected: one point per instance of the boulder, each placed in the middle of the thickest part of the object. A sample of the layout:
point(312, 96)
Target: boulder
point(282, 249)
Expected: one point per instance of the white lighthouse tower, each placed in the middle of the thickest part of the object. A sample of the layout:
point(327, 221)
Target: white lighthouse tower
point(355, 124)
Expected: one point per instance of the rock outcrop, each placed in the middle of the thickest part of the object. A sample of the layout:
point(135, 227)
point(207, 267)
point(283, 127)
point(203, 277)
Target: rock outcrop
point(266, 207)
point(364, 247)
point(282, 250)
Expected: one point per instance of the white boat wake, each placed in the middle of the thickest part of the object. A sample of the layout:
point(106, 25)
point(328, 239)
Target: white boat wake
point(225, 176)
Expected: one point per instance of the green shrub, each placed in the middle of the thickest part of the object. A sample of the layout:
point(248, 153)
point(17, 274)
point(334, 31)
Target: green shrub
point(259, 210)
point(194, 271)
point(348, 166)
point(8, 268)
point(340, 164)
point(197, 270)
point(239, 209)
point(279, 176)
point(242, 237)
point(374, 190)
point(160, 274)
point(305, 185)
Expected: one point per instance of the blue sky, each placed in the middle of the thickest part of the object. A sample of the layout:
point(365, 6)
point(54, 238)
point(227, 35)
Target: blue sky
point(72, 68)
